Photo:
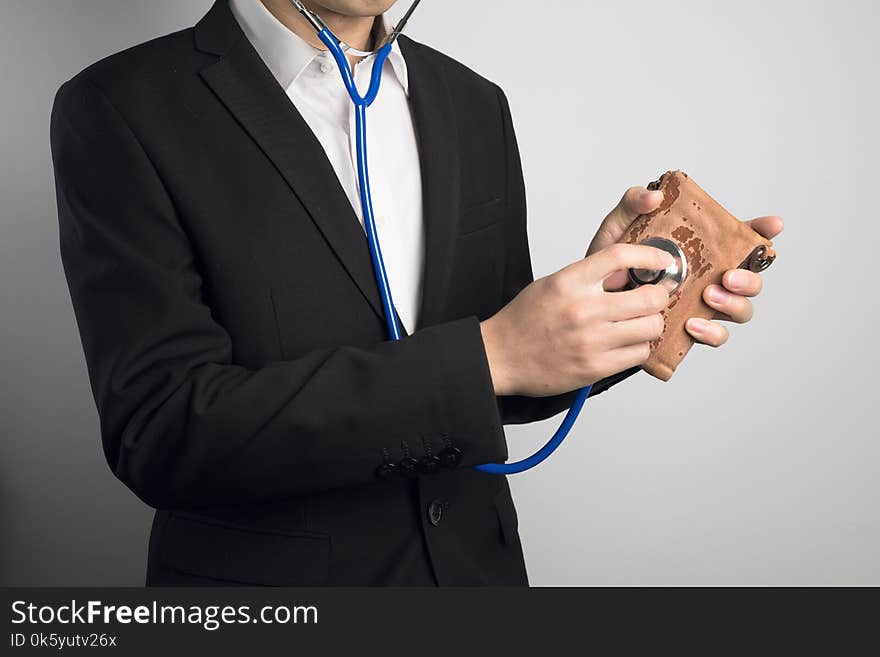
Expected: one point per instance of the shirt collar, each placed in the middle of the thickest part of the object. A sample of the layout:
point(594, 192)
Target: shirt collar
point(285, 53)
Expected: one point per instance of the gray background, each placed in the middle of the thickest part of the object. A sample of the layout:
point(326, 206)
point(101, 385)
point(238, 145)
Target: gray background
point(757, 464)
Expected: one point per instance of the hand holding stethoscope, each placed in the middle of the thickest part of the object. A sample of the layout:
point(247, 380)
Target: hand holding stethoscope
point(593, 330)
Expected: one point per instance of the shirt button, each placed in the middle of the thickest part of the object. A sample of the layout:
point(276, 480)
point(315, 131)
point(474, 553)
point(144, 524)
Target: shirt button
point(326, 66)
point(435, 512)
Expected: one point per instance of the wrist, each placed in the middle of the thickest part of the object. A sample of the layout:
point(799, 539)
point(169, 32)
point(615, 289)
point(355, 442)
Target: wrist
point(496, 355)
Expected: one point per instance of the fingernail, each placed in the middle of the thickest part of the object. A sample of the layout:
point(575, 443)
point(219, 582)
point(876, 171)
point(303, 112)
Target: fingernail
point(697, 325)
point(737, 279)
point(717, 295)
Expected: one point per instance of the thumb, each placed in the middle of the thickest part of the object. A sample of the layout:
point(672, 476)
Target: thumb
point(637, 201)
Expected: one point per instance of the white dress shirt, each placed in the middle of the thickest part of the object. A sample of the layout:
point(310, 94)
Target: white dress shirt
point(312, 81)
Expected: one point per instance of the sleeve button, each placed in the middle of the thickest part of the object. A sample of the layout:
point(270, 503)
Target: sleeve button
point(408, 467)
point(450, 457)
point(386, 471)
point(429, 464)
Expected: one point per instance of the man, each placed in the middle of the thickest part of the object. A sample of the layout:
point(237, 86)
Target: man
point(209, 226)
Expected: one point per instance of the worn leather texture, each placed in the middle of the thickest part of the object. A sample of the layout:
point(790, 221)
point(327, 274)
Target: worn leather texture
point(713, 241)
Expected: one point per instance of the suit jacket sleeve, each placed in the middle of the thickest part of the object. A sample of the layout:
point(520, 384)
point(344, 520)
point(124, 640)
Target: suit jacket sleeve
point(184, 426)
point(518, 274)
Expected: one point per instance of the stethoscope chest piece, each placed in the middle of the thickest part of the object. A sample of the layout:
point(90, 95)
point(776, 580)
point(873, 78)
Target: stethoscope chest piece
point(670, 278)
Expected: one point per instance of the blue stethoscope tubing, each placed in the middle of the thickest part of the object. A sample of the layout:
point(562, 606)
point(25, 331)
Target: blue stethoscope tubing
point(361, 103)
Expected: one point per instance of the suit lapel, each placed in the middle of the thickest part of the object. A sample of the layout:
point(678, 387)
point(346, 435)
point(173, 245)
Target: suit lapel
point(243, 83)
point(433, 113)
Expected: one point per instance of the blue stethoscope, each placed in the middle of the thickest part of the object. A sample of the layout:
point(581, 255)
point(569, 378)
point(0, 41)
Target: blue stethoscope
point(339, 49)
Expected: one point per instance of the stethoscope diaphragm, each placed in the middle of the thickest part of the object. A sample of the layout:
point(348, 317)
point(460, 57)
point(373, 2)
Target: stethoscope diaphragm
point(670, 278)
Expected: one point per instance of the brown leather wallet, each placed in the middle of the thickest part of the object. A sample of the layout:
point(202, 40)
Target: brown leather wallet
point(712, 240)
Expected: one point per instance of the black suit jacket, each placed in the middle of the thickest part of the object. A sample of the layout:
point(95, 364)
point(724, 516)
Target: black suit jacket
point(232, 327)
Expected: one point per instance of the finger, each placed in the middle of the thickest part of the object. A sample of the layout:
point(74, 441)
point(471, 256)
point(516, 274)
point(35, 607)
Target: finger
point(643, 301)
point(737, 308)
point(636, 331)
point(620, 257)
point(637, 201)
point(743, 282)
point(706, 332)
point(619, 280)
point(623, 358)
point(768, 227)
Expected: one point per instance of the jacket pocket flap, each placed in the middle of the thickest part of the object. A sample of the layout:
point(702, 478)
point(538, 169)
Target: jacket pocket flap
point(245, 555)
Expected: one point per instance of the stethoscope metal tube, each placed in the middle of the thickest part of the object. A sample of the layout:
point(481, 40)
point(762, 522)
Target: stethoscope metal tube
point(338, 50)
point(319, 25)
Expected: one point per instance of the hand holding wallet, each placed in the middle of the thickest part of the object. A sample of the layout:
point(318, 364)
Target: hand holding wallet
point(692, 224)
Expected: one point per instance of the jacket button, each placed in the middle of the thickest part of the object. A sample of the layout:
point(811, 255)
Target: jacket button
point(429, 464)
point(450, 457)
point(408, 467)
point(386, 471)
point(435, 512)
